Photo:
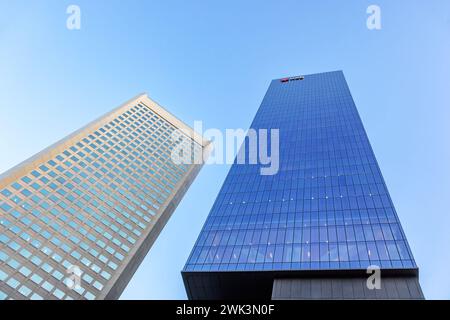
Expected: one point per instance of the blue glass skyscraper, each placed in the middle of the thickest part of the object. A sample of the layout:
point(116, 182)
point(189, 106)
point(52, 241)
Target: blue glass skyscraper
point(311, 230)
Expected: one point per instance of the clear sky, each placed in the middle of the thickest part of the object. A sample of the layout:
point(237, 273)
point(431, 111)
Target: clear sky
point(213, 61)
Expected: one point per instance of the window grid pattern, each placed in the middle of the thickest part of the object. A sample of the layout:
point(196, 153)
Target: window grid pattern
point(328, 206)
point(88, 207)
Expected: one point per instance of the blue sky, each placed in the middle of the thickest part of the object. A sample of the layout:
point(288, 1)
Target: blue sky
point(213, 61)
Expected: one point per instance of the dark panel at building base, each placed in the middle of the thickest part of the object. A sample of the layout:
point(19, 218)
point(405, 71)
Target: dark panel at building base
point(296, 284)
point(346, 288)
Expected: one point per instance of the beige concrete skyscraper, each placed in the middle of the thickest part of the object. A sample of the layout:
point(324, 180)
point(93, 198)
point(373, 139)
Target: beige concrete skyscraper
point(77, 219)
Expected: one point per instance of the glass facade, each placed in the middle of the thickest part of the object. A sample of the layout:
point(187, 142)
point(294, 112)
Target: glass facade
point(85, 206)
point(328, 206)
